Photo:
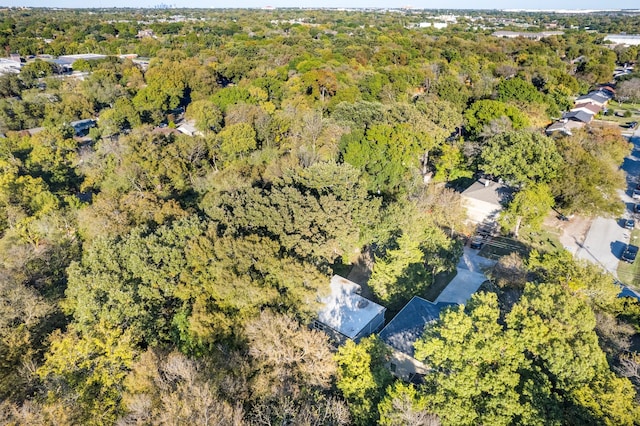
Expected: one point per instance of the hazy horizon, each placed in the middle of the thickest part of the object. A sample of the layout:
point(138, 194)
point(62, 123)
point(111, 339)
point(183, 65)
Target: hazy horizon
point(543, 5)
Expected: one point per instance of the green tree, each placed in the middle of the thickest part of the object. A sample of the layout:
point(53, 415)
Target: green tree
point(476, 367)
point(237, 140)
point(481, 113)
point(363, 377)
point(411, 261)
point(589, 177)
point(36, 69)
point(519, 90)
point(207, 116)
point(521, 157)
point(557, 331)
point(385, 153)
point(403, 405)
point(91, 367)
point(529, 206)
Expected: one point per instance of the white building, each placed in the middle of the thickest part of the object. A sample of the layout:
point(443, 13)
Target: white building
point(347, 315)
point(8, 66)
point(624, 39)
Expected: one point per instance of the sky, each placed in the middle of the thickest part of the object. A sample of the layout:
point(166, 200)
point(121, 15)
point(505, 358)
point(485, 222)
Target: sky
point(418, 4)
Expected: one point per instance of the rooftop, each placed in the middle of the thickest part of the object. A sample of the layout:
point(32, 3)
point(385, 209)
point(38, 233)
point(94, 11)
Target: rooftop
point(598, 96)
point(564, 126)
point(408, 325)
point(487, 191)
point(582, 116)
point(345, 310)
point(589, 108)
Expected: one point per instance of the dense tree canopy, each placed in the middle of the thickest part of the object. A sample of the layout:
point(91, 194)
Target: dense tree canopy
point(160, 262)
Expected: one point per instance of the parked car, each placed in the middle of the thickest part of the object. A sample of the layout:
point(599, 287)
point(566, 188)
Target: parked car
point(629, 254)
point(629, 223)
point(476, 242)
point(636, 194)
point(632, 124)
point(636, 208)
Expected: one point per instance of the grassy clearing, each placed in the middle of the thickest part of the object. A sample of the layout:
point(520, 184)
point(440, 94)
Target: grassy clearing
point(629, 273)
point(545, 240)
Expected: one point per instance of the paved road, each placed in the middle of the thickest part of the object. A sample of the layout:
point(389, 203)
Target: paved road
point(606, 238)
point(604, 243)
point(468, 279)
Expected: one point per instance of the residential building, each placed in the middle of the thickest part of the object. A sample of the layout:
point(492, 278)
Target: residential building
point(345, 314)
point(586, 107)
point(524, 34)
point(597, 97)
point(189, 128)
point(564, 127)
point(404, 330)
point(8, 66)
point(81, 127)
point(484, 200)
point(581, 116)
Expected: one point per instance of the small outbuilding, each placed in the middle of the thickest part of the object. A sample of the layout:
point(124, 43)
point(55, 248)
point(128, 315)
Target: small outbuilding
point(345, 314)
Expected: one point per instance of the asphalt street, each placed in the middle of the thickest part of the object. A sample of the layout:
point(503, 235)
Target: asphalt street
point(607, 238)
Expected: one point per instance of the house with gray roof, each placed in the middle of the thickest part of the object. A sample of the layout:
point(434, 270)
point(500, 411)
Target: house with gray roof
point(580, 116)
point(404, 330)
point(598, 97)
point(345, 314)
point(564, 127)
point(484, 200)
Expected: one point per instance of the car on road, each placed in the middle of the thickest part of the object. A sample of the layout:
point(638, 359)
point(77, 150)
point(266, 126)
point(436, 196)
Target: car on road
point(629, 223)
point(476, 242)
point(632, 124)
point(629, 254)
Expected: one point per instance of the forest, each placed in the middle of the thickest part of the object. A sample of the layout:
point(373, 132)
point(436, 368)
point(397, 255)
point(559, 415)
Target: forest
point(148, 276)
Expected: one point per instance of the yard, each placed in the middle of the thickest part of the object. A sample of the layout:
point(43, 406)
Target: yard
point(543, 240)
point(620, 109)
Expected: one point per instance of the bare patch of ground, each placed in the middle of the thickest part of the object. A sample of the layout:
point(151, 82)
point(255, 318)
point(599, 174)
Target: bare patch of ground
point(572, 232)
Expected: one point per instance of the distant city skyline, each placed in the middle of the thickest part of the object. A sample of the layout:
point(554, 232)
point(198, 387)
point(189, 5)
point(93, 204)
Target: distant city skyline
point(452, 4)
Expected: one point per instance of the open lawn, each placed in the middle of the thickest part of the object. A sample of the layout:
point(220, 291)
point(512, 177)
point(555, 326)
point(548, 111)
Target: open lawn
point(621, 108)
point(545, 240)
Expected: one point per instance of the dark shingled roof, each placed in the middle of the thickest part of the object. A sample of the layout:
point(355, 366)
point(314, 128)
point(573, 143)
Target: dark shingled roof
point(582, 116)
point(408, 325)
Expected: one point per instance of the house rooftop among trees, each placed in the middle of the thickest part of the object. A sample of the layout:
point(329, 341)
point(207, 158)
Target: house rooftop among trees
point(347, 315)
point(484, 199)
point(404, 330)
